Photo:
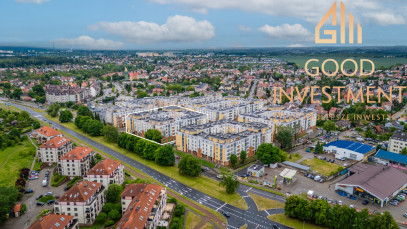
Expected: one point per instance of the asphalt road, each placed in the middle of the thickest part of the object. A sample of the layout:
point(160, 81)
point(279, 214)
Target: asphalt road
point(238, 217)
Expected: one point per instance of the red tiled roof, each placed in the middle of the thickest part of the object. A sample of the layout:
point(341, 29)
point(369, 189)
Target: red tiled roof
point(80, 192)
point(52, 221)
point(48, 131)
point(105, 167)
point(77, 154)
point(55, 142)
point(140, 207)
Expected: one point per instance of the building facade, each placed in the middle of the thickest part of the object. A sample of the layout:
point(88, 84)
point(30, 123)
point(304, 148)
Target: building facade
point(76, 162)
point(107, 172)
point(52, 150)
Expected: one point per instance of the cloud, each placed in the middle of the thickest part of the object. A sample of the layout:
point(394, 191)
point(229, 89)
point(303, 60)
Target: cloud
point(87, 42)
point(295, 46)
point(286, 31)
point(176, 29)
point(384, 18)
point(33, 1)
point(244, 28)
point(310, 11)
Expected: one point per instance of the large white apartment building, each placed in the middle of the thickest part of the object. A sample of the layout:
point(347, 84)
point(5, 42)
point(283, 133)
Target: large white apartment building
point(107, 172)
point(84, 201)
point(64, 93)
point(397, 142)
point(52, 150)
point(217, 141)
point(76, 162)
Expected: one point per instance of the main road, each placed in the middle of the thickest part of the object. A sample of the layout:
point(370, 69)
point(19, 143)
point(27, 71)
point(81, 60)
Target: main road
point(238, 217)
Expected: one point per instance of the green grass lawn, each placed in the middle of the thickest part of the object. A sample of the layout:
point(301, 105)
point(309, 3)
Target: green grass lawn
point(45, 199)
point(13, 159)
point(265, 203)
point(294, 157)
point(201, 183)
point(294, 223)
point(192, 220)
point(321, 166)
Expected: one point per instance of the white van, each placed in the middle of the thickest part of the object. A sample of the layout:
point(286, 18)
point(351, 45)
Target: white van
point(44, 182)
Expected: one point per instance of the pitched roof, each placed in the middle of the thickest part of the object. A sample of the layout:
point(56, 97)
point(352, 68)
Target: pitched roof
point(77, 154)
point(381, 181)
point(401, 136)
point(137, 213)
point(55, 142)
point(104, 167)
point(52, 221)
point(48, 131)
point(80, 192)
point(386, 155)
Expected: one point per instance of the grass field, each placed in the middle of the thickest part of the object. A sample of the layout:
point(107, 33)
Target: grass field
point(207, 226)
point(192, 220)
point(202, 183)
point(320, 166)
point(378, 62)
point(294, 223)
point(294, 157)
point(265, 203)
point(13, 159)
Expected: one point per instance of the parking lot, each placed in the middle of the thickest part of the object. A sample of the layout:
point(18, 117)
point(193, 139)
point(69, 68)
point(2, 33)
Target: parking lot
point(30, 200)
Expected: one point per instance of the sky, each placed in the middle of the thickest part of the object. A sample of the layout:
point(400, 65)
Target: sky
point(192, 24)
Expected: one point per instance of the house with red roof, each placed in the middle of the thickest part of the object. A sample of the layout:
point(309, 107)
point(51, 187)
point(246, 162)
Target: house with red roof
point(107, 171)
point(143, 206)
point(84, 201)
point(76, 162)
point(53, 221)
point(46, 133)
point(52, 150)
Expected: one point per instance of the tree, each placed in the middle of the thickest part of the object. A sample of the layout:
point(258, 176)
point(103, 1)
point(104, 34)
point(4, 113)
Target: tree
point(16, 93)
point(285, 136)
point(296, 130)
point(113, 193)
point(93, 127)
point(329, 126)
point(230, 182)
point(404, 151)
point(189, 165)
point(36, 125)
point(190, 88)
point(53, 109)
point(179, 210)
point(149, 150)
point(154, 135)
point(269, 154)
point(84, 111)
point(115, 215)
point(8, 197)
point(243, 156)
point(233, 160)
point(101, 218)
point(165, 156)
point(318, 148)
point(110, 133)
point(65, 116)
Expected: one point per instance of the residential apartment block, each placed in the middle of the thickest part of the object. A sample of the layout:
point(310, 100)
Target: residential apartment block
point(397, 142)
point(76, 162)
point(168, 120)
point(107, 172)
point(64, 93)
point(84, 201)
point(52, 150)
point(142, 205)
point(217, 141)
point(45, 134)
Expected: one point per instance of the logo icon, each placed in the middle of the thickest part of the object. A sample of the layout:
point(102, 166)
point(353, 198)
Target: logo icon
point(332, 33)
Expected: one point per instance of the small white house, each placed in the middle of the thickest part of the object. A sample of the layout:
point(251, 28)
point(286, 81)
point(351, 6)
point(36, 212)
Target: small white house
point(256, 170)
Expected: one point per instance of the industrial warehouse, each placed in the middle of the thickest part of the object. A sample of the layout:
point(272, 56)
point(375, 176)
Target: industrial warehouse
point(375, 183)
point(352, 150)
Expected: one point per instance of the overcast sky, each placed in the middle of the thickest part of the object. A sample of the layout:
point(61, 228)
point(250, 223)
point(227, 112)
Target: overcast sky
point(179, 24)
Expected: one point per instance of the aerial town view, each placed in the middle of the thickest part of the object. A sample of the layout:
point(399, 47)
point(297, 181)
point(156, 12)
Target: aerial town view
point(176, 114)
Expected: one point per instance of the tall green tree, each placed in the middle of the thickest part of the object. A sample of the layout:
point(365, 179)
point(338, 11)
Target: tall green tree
point(243, 156)
point(329, 126)
point(154, 135)
point(318, 148)
point(230, 183)
point(113, 193)
point(110, 133)
point(8, 198)
point(189, 165)
point(84, 111)
point(65, 116)
point(269, 154)
point(165, 155)
point(233, 160)
point(285, 136)
point(53, 109)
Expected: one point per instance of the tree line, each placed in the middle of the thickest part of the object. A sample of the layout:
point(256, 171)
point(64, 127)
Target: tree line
point(320, 212)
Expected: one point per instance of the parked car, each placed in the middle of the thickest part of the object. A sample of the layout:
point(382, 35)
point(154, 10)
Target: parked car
point(47, 173)
point(220, 176)
point(50, 202)
point(38, 197)
point(226, 214)
point(405, 215)
point(40, 203)
point(366, 202)
point(317, 178)
point(351, 206)
point(321, 180)
point(49, 194)
point(306, 175)
point(340, 202)
point(28, 191)
point(334, 202)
